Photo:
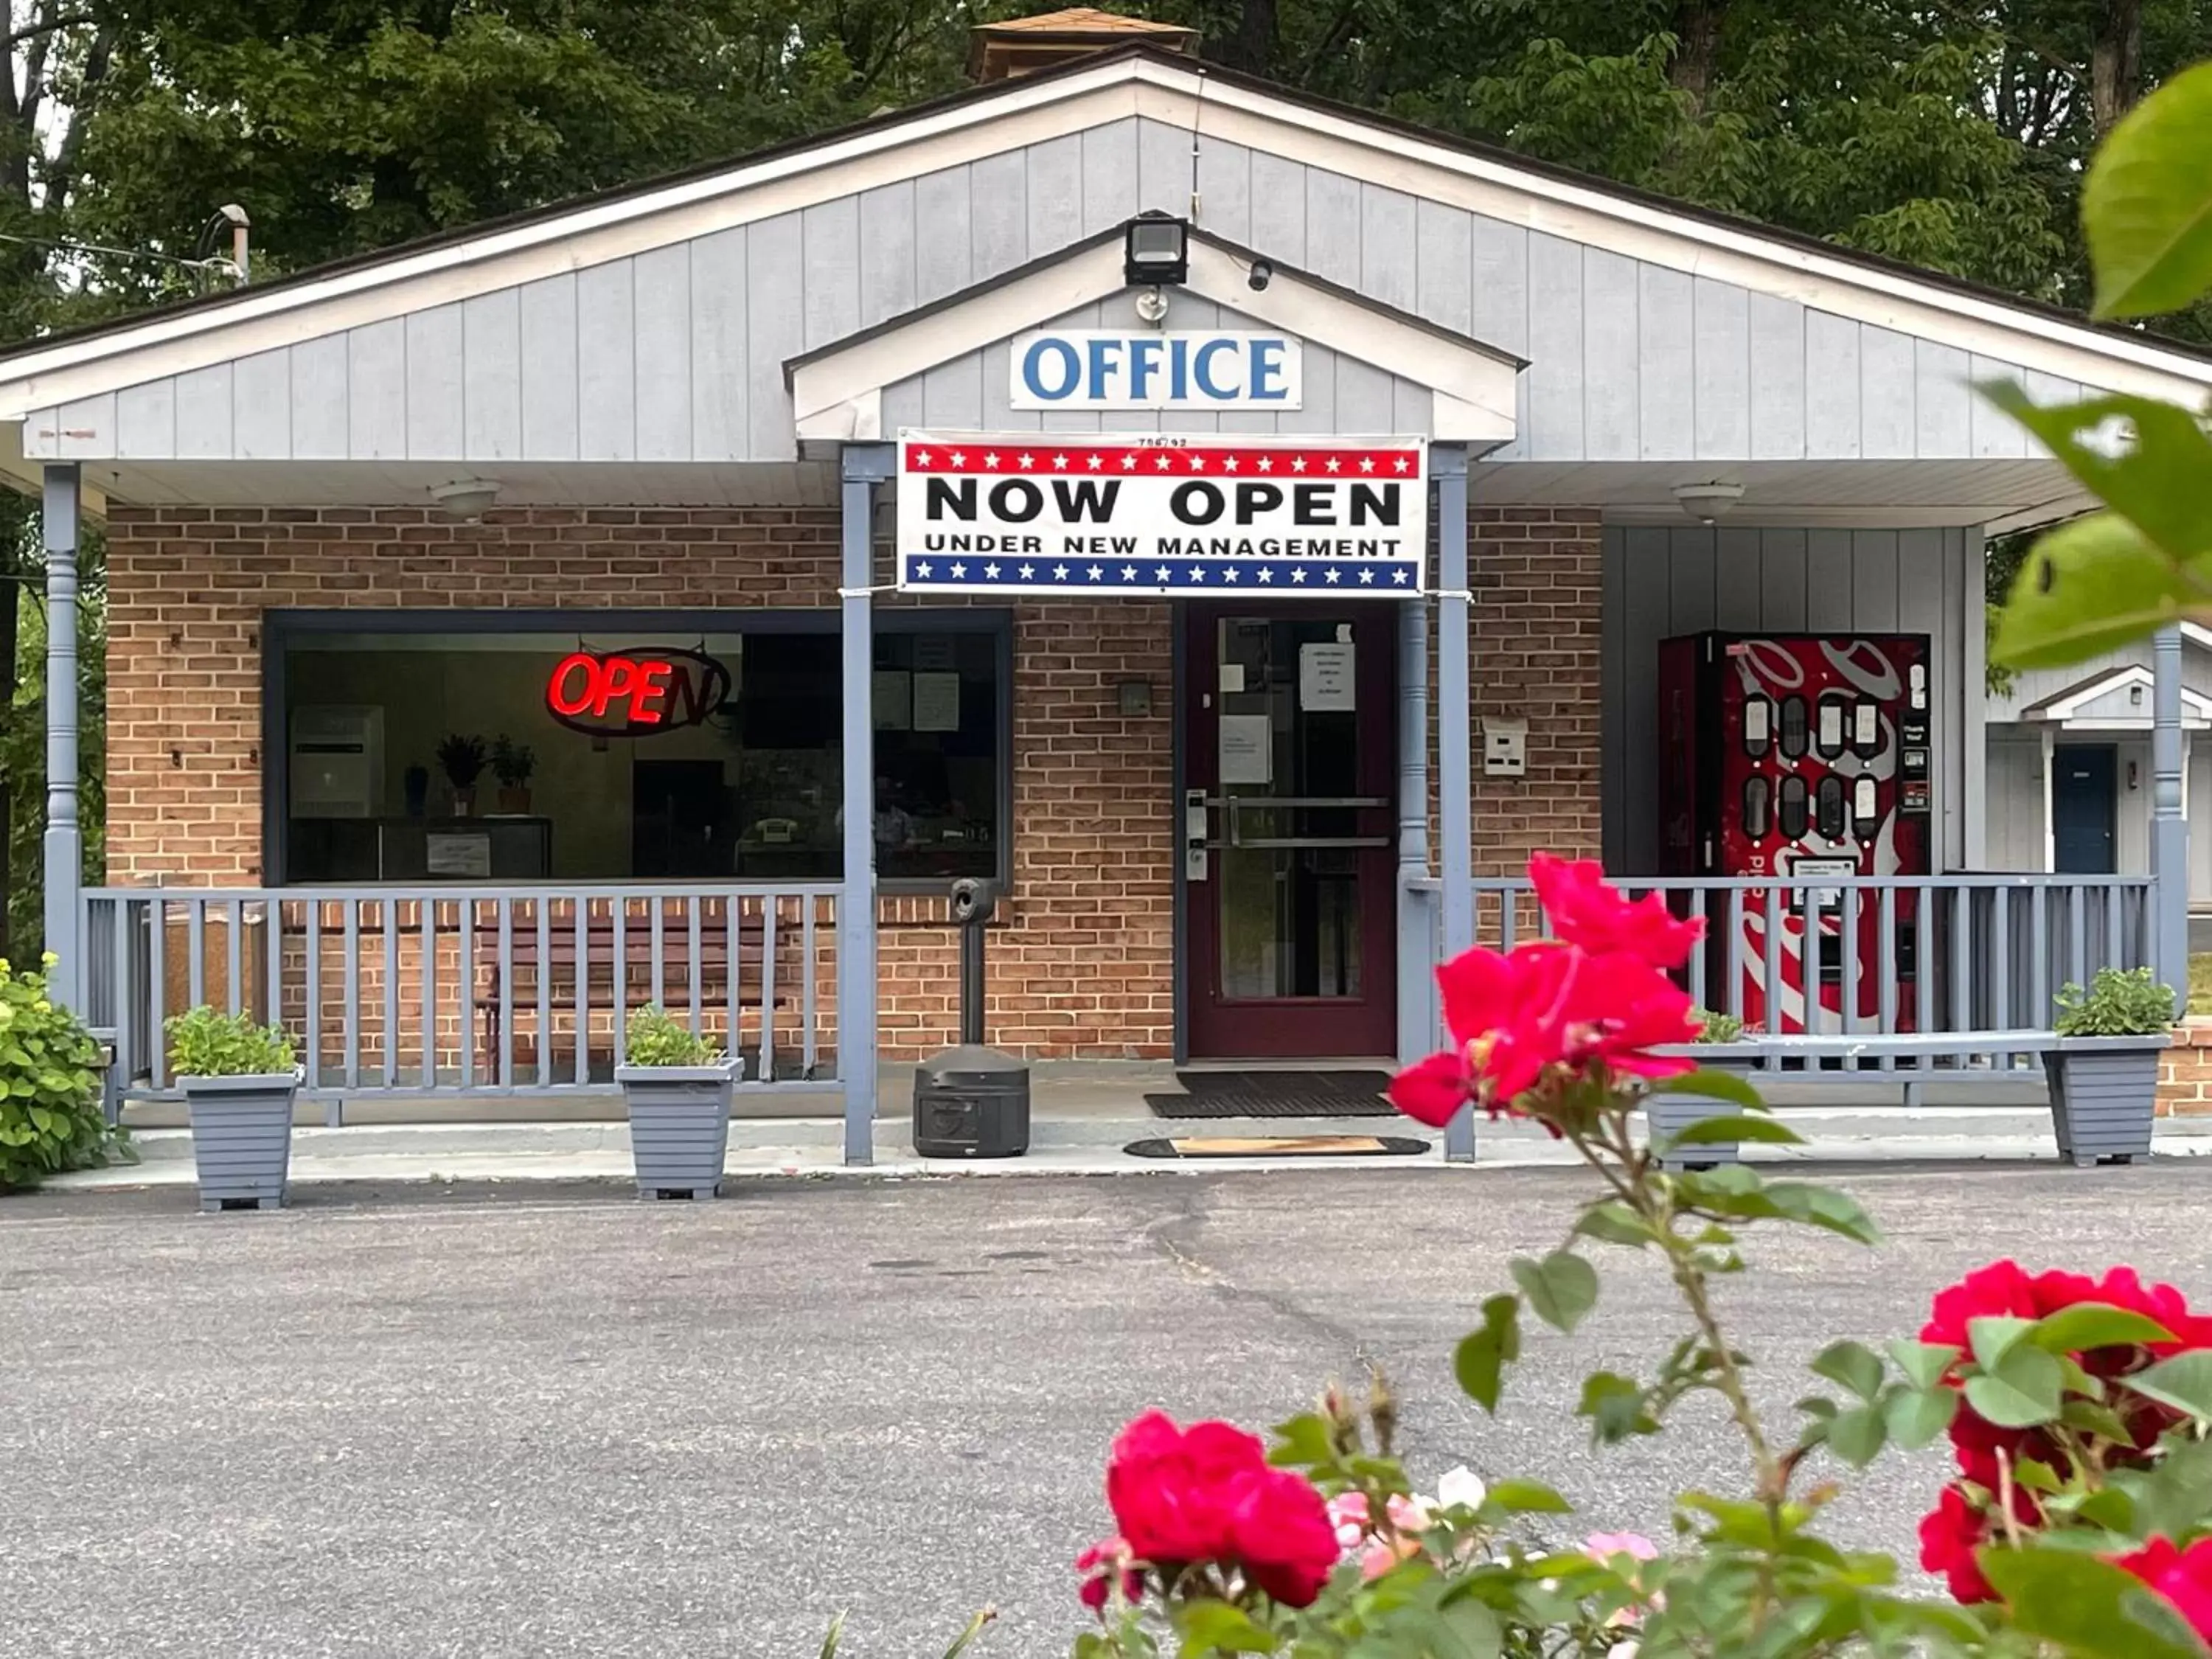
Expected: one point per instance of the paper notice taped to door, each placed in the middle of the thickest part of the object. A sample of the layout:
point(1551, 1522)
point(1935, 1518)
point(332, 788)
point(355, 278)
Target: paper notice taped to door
point(1248, 749)
point(1326, 680)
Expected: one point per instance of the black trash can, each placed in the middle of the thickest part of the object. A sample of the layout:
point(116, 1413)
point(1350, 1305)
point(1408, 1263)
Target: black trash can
point(971, 1100)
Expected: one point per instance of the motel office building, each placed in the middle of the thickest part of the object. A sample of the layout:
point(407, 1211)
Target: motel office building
point(358, 512)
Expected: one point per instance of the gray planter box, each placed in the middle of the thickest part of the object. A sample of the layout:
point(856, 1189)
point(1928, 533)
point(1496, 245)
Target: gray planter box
point(1671, 1113)
point(2104, 1097)
point(241, 1137)
point(679, 1127)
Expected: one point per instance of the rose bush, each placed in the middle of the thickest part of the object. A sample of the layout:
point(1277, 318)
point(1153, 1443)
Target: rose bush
point(2078, 1412)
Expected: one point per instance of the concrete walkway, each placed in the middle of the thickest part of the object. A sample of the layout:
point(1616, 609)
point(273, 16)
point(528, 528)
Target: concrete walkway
point(1067, 1138)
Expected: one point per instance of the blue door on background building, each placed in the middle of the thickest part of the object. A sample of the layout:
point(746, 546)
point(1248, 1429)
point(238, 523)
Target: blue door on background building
point(2084, 800)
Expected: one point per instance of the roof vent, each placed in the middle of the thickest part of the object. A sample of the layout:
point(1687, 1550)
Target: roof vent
point(1007, 52)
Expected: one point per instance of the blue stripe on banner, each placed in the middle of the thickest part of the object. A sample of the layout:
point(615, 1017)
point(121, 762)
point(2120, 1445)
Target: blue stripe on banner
point(972, 573)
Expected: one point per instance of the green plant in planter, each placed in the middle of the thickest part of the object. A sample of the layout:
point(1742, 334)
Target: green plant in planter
point(205, 1043)
point(512, 762)
point(658, 1038)
point(462, 759)
point(2119, 1002)
point(1716, 1027)
point(50, 1116)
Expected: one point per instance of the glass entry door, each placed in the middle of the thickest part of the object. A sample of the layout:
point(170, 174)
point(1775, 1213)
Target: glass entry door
point(1289, 831)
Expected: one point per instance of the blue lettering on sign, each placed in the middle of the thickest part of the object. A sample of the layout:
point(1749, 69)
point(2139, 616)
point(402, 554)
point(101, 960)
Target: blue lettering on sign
point(1153, 368)
point(1071, 368)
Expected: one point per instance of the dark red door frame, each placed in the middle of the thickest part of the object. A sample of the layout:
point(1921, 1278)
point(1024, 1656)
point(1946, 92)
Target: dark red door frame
point(1366, 1026)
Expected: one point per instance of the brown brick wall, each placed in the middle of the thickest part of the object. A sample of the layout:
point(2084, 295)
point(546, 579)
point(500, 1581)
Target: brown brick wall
point(1084, 965)
point(1084, 968)
point(2185, 1071)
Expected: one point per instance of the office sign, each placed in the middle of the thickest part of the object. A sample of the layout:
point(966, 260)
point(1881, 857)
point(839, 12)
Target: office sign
point(1040, 513)
point(1155, 368)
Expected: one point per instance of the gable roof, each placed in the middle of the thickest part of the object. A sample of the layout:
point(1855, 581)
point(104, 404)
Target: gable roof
point(2074, 703)
point(1578, 206)
point(836, 389)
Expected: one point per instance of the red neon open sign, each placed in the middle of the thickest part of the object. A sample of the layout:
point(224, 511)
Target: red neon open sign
point(634, 693)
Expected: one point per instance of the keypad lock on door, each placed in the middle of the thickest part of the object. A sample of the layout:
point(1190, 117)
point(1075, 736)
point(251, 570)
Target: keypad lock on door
point(1193, 834)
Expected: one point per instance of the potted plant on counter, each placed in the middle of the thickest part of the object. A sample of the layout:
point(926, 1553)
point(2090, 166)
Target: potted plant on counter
point(2103, 1072)
point(238, 1081)
point(1719, 1049)
point(677, 1086)
point(462, 759)
point(512, 764)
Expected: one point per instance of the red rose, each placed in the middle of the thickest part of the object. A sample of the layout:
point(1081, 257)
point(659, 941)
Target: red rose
point(1515, 1016)
point(1283, 1538)
point(1207, 1495)
point(1585, 911)
point(2182, 1577)
point(1100, 1565)
point(1949, 1535)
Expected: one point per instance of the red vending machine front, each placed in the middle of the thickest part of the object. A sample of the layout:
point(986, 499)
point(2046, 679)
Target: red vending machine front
point(1800, 755)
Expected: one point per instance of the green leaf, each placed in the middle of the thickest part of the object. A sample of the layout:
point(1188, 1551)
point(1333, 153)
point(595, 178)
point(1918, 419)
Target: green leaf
point(1614, 1404)
point(1917, 1416)
point(2022, 1393)
point(2144, 458)
point(2085, 588)
point(2090, 1418)
point(1484, 1355)
point(2147, 202)
point(1852, 1365)
point(1857, 1436)
point(1302, 1443)
point(1561, 1289)
point(1993, 1336)
point(1708, 1131)
point(1923, 1363)
point(1822, 1206)
point(1732, 1086)
point(2176, 1497)
point(1616, 1224)
point(2085, 1606)
point(1529, 1497)
point(2184, 1383)
point(1208, 1627)
point(2094, 1325)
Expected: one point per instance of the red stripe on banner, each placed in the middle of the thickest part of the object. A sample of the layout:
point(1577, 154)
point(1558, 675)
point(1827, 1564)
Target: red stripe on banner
point(1192, 461)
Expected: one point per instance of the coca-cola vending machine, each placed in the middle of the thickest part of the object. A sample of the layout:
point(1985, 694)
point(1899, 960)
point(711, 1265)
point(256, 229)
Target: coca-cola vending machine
point(1799, 754)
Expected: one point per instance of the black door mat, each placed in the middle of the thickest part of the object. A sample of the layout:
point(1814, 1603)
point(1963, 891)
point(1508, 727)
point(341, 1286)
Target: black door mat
point(1276, 1094)
point(1281, 1147)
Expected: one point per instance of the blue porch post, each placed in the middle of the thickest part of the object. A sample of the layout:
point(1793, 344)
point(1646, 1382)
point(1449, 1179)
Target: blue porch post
point(1417, 1033)
point(865, 465)
point(1454, 735)
point(65, 841)
point(2169, 829)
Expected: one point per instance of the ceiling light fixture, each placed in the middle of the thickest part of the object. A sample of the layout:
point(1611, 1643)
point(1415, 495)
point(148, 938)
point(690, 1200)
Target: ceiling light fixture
point(465, 498)
point(1707, 501)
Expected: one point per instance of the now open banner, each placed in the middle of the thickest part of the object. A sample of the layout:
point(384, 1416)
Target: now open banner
point(1184, 514)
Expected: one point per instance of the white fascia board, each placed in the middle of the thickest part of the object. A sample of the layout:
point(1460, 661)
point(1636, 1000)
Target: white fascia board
point(2065, 708)
point(1590, 215)
point(1472, 388)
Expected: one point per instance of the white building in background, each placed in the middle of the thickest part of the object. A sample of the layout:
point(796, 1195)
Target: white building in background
point(2069, 767)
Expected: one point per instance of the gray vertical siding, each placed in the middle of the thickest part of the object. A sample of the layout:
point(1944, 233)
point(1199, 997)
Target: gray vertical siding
point(1660, 580)
point(2016, 821)
point(678, 354)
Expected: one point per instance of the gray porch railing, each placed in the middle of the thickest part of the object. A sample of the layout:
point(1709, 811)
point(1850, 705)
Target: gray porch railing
point(1926, 954)
point(472, 990)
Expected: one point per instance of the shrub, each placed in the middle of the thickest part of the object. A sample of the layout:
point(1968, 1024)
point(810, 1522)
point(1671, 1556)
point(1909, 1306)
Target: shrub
point(512, 762)
point(462, 759)
point(2119, 1002)
point(658, 1038)
point(206, 1043)
point(1716, 1027)
point(50, 1115)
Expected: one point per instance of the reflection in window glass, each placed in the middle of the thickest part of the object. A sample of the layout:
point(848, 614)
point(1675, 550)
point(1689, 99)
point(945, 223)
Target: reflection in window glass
point(651, 754)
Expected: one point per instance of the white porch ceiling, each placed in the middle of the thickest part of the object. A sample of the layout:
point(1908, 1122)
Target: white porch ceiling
point(1883, 494)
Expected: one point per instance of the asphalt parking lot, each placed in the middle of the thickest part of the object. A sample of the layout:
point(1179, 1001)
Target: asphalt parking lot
point(437, 1420)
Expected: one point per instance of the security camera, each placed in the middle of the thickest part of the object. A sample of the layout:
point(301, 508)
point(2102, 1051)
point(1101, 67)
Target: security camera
point(973, 900)
point(1261, 275)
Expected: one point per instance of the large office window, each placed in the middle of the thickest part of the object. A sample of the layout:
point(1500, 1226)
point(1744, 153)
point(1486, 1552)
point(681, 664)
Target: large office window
point(498, 747)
